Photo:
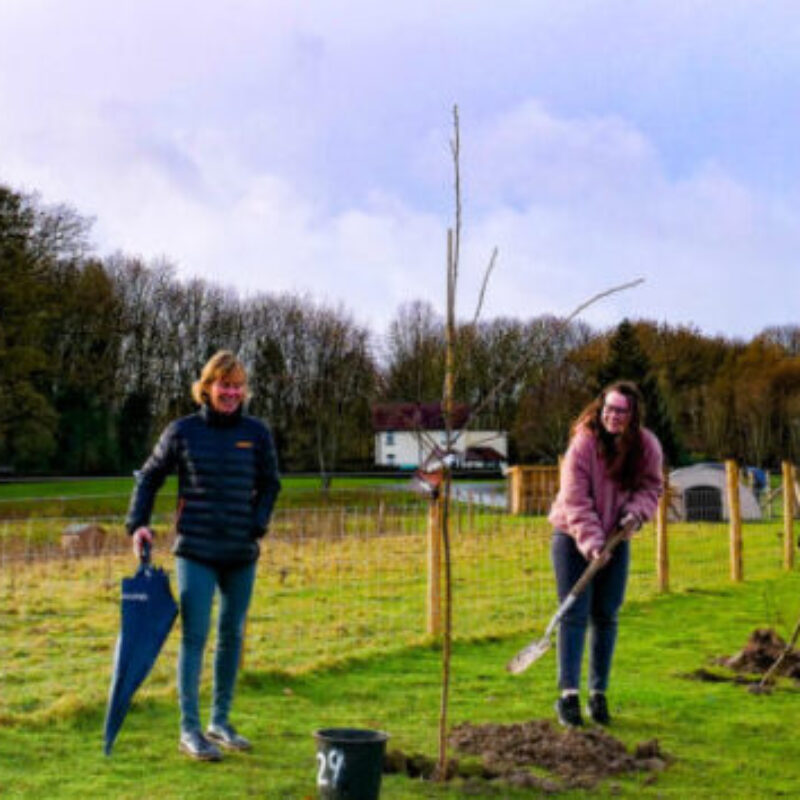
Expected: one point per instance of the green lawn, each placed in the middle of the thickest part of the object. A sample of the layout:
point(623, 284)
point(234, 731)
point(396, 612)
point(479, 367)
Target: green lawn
point(337, 637)
point(726, 742)
point(99, 497)
point(332, 583)
point(100, 487)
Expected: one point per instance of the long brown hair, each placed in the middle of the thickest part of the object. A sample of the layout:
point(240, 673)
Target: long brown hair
point(623, 454)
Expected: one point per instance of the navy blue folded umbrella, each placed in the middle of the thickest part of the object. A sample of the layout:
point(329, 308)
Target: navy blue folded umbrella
point(147, 613)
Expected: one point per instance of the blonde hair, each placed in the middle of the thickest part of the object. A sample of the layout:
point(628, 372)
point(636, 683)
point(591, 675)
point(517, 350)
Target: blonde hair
point(222, 365)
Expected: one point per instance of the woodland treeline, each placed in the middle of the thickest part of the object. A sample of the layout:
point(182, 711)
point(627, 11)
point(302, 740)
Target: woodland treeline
point(96, 355)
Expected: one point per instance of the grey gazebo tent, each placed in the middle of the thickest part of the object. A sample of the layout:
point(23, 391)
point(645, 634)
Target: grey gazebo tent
point(698, 493)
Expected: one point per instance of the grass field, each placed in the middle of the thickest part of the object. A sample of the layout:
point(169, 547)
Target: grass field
point(122, 485)
point(337, 636)
point(726, 742)
point(103, 497)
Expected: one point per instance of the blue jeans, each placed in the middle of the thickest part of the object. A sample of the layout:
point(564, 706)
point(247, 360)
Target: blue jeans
point(197, 583)
point(596, 608)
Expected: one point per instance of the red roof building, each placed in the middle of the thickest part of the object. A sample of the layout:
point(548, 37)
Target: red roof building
point(416, 416)
point(411, 435)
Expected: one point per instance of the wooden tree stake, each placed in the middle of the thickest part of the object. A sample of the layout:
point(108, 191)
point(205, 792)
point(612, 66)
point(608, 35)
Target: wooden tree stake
point(787, 471)
point(434, 567)
point(734, 512)
point(662, 546)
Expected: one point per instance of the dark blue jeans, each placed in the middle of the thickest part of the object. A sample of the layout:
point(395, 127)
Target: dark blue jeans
point(197, 584)
point(596, 609)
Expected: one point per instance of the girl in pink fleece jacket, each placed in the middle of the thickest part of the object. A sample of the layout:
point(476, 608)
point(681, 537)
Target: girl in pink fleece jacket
point(612, 473)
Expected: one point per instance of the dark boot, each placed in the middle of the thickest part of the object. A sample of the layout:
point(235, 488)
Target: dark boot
point(568, 709)
point(597, 708)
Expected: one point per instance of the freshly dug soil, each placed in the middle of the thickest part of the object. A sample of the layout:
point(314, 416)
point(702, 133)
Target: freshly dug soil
point(762, 649)
point(580, 757)
point(575, 757)
point(707, 676)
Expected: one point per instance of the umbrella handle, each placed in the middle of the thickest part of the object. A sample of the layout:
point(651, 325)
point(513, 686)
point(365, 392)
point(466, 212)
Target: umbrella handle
point(145, 552)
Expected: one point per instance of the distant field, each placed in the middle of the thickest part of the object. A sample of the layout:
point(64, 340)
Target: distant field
point(110, 496)
point(72, 487)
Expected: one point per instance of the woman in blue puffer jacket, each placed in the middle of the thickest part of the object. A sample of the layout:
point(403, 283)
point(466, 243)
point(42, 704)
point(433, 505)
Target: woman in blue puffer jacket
point(227, 486)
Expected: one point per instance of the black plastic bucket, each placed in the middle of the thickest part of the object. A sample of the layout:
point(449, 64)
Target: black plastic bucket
point(349, 763)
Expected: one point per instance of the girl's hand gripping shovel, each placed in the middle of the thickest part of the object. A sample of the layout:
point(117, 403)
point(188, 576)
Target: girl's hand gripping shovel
point(535, 650)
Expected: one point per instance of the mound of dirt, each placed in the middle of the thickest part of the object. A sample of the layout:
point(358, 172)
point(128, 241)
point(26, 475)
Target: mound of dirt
point(474, 775)
point(762, 649)
point(579, 757)
point(415, 765)
point(707, 676)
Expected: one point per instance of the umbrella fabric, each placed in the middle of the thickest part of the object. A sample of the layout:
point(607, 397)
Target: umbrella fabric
point(147, 613)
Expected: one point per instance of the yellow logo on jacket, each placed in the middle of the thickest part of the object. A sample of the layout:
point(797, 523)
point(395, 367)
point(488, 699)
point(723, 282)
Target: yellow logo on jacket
point(244, 445)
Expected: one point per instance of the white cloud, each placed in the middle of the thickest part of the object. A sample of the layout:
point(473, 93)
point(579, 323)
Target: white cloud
point(595, 209)
point(304, 147)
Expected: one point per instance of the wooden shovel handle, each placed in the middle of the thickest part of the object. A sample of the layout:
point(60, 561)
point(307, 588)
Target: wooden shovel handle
point(535, 650)
point(596, 564)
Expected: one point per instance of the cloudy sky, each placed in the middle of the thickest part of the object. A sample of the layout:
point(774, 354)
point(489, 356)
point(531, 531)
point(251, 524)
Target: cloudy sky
point(304, 145)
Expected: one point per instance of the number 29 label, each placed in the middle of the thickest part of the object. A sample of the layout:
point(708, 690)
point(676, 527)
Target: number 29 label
point(330, 767)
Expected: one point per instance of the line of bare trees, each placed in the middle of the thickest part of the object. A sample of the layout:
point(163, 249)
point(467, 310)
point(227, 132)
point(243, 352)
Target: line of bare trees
point(97, 354)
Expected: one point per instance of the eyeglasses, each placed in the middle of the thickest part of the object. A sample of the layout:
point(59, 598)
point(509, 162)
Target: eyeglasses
point(618, 410)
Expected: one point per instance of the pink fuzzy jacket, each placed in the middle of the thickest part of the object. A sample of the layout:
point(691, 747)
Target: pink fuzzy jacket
point(590, 504)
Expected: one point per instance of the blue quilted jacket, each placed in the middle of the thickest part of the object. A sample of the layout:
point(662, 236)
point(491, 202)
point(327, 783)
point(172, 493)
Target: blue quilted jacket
point(227, 485)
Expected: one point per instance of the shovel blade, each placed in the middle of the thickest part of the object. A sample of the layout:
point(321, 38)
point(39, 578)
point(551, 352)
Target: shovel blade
point(533, 652)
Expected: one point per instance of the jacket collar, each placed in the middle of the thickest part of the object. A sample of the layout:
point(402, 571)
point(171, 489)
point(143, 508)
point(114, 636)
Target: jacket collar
point(216, 420)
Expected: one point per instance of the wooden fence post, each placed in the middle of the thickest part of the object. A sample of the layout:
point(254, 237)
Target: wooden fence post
point(735, 515)
point(787, 470)
point(435, 567)
point(515, 489)
point(796, 486)
point(662, 547)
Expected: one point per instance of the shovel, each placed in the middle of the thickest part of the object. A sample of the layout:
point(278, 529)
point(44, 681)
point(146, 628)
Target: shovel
point(535, 650)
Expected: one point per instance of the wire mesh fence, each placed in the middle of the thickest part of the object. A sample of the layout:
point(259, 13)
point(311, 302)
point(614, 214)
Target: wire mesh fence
point(333, 583)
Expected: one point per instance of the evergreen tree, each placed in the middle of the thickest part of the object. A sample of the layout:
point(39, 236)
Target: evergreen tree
point(27, 419)
point(628, 361)
point(135, 428)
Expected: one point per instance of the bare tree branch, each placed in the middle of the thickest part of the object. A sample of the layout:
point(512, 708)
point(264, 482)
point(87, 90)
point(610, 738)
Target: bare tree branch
point(455, 149)
point(449, 335)
point(487, 274)
point(501, 384)
point(592, 300)
point(484, 440)
point(453, 241)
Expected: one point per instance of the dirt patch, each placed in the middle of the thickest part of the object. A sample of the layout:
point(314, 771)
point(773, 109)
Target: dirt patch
point(707, 676)
point(580, 757)
point(762, 650)
point(575, 758)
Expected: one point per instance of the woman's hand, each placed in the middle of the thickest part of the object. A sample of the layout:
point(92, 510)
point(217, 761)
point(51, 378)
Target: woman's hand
point(632, 519)
point(597, 554)
point(141, 535)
